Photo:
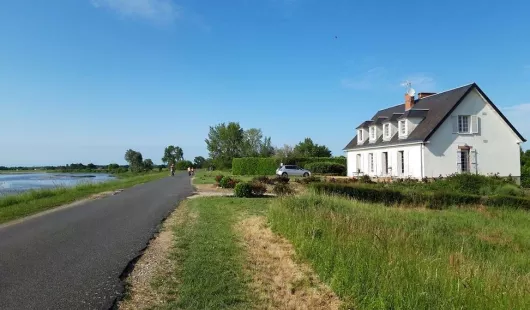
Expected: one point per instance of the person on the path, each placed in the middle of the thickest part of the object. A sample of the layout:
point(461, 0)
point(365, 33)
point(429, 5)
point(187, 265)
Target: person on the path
point(192, 171)
point(189, 171)
point(172, 169)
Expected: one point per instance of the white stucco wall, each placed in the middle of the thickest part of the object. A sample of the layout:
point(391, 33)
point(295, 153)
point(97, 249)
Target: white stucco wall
point(413, 162)
point(496, 145)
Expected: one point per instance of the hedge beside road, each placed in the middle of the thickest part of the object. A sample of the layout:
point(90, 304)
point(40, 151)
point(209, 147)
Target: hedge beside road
point(268, 165)
point(433, 200)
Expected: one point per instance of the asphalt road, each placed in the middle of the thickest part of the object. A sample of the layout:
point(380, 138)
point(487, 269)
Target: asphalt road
point(73, 258)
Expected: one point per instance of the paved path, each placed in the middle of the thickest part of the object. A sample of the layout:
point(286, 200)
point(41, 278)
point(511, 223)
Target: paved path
point(73, 258)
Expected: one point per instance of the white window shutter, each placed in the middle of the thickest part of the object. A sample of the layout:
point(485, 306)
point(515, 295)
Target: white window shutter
point(473, 161)
point(474, 124)
point(458, 161)
point(454, 120)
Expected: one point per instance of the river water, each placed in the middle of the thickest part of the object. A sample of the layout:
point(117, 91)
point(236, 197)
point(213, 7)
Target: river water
point(17, 183)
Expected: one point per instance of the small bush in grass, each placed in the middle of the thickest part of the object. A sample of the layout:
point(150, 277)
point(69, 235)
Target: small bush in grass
point(280, 179)
point(282, 189)
point(228, 182)
point(509, 190)
point(263, 179)
point(243, 190)
point(366, 179)
point(308, 180)
point(218, 178)
point(258, 189)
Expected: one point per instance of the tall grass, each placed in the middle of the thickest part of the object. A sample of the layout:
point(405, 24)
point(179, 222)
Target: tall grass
point(390, 258)
point(16, 206)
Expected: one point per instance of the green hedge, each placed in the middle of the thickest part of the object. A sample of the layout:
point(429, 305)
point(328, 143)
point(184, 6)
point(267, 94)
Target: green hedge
point(254, 166)
point(268, 165)
point(433, 200)
point(303, 161)
point(326, 168)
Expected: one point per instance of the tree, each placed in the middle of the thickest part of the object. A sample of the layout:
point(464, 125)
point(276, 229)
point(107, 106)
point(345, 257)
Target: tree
point(252, 143)
point(307, 148)
point(148, 164)
point(266, 149)
point(199, 162)
point(91, 166)
point(172, 154)
point(285, 151)
point(134, 159)
point(224, 143)
point(113, 167)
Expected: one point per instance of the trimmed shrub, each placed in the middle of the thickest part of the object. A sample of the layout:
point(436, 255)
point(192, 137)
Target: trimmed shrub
point(263, 179)
point(282, 189)
point(326, 168)
point(243, 190)
point(280, 179)
point(433, 200)
point(218, 178)
point(258, 188)
point(268, 165)
point(228, 182)
point(308, 180)
point(304, 161)
point(254, 166)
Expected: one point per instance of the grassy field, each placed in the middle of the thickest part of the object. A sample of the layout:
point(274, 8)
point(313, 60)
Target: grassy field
point(17, 206)
point(209, 256)
point(376, 257)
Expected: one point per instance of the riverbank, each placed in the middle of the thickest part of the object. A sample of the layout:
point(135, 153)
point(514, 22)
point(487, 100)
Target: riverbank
point(18, 206)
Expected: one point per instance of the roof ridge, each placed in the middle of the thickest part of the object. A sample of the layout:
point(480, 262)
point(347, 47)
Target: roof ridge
point(445, 91)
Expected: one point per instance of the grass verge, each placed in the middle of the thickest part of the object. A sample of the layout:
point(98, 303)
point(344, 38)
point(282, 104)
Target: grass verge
point(376, 257)
point(17, 206)
point(210, 257)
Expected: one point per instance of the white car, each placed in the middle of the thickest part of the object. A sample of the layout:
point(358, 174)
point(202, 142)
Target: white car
point(292, 170)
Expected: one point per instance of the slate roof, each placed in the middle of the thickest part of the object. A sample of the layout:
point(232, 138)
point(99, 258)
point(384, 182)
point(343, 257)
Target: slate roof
point(434, 109)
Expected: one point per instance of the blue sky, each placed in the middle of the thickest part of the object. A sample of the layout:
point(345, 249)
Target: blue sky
point(82, 81)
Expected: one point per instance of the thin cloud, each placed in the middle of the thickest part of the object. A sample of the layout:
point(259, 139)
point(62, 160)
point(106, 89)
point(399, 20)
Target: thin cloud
point(368, 80)
point(158, 11)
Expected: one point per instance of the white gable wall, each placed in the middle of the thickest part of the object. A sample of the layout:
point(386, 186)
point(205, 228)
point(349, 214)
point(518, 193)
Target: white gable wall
point(496, 145)
point(412, 160)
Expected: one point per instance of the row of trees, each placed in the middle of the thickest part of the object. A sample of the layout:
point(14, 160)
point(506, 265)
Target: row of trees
point(228, 141)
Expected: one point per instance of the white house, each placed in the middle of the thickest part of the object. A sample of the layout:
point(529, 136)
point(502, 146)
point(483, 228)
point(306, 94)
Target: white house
point(459, 130)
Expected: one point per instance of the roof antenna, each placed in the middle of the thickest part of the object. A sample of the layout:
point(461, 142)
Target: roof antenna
point(410, 91)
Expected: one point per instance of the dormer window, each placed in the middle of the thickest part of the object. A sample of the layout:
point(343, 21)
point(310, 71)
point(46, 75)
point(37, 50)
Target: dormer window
point(360, 137)
point(386, 131)
point(402, 126)
point(372, 133)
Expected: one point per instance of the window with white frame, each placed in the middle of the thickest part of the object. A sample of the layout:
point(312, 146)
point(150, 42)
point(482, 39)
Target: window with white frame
point(360, 135)
point(371, 161)
point(402, 127)
point(386, 131)
point(464, 124)
point(372, 133)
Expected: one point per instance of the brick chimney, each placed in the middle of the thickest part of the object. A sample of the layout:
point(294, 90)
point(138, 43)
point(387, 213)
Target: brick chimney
point(423, 95)
point(409, 102)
